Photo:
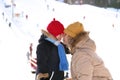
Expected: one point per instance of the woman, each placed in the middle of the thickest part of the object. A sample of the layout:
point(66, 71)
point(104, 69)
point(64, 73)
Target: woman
point(51, 53)
point(85, 64)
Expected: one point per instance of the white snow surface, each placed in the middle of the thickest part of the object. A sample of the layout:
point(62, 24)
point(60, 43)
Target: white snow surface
point(103, 24)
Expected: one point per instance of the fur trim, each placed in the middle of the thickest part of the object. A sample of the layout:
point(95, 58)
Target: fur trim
point(48, 34)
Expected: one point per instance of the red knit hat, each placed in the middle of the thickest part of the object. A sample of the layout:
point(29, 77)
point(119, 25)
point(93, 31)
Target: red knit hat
point(55, 27)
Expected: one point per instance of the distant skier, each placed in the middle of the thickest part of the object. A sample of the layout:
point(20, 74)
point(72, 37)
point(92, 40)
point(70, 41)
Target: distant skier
point(31, 49)
point(29, 53)
point(9, 24)
point(3, 14)
point(26, 16)
point(32, 60)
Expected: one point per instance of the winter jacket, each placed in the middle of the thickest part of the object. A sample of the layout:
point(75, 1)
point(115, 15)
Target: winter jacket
point(86, 64)
point(48, 59)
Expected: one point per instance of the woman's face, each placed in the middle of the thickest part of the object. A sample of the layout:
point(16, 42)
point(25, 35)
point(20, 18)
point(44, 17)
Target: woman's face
point(66, 39)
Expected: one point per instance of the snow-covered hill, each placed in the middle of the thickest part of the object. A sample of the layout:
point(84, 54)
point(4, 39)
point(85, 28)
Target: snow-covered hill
point(103, 24)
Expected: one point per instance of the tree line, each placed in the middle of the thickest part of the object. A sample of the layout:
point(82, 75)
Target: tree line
point(100, 3)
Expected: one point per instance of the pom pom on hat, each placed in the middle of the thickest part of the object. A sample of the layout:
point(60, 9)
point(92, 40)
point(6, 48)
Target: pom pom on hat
point(55, 27)
point(74, 29)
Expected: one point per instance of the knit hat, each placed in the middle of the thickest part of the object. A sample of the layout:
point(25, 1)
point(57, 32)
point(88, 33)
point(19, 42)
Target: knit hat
point(74, 29)
point(55, 27)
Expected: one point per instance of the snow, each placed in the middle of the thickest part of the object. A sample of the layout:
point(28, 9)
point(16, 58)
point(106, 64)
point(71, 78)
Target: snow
point(103, 24)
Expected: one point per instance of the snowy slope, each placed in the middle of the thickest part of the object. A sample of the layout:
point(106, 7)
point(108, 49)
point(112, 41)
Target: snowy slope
point(13, 49)
point(103, 24)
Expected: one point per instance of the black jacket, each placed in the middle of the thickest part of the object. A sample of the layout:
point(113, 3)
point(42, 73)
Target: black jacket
point(48, 59)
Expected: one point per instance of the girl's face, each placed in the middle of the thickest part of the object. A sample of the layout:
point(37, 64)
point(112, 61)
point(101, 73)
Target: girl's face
point(59, 37)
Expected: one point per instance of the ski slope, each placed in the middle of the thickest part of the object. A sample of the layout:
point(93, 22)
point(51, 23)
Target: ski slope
point(13, 49)
point(103, 24)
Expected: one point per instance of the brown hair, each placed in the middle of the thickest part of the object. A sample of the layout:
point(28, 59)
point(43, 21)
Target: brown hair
point(75, 40)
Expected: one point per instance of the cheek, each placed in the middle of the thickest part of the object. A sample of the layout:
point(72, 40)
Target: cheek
point(65, 40)
point(59, 37)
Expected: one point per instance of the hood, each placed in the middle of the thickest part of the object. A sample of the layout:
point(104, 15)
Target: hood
point(86, 43)
point(45, 33)
point(42, 37)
